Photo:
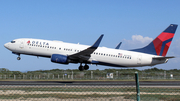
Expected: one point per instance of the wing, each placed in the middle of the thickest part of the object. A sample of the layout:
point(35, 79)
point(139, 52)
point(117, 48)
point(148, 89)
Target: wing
point(86, 54)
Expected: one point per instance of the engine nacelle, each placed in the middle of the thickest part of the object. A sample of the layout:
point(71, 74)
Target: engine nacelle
point(57, 58)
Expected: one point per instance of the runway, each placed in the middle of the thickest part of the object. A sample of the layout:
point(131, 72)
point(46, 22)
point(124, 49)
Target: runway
point(90, 83)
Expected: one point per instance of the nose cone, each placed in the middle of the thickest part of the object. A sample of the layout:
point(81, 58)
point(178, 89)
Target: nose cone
point(6, 45)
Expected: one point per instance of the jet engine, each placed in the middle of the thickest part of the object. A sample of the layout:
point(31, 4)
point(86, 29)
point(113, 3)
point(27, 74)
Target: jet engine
point(57, 58)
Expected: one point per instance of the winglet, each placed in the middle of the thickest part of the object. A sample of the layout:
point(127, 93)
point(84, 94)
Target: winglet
point(117, 47)
point(96, 44)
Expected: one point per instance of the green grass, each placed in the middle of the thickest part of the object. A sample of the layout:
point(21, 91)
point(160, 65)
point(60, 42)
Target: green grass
point(72, 89)
point(153, 97)
point(144, 97)
point(72, 96)
point(59, 96)
point(93, 89)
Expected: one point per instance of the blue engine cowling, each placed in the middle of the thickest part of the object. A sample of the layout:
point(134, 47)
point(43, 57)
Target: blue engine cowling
point(57, 58)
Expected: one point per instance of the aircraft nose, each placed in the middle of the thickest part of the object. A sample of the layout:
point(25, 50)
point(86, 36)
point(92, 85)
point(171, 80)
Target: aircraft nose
point(6, 45)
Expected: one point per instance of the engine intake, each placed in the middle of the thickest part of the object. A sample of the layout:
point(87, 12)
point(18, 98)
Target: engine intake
point(57, 58)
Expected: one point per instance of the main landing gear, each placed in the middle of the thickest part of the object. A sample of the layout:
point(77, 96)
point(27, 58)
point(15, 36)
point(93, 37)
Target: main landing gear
point(85, 67)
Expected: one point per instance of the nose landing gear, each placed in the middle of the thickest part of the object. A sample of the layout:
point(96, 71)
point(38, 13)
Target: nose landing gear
point(18, 58)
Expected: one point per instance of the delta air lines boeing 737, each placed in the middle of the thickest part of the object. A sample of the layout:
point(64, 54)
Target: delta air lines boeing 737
point(65, 53)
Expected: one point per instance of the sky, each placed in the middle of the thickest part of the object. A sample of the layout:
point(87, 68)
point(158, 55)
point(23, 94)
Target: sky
point(134, 23)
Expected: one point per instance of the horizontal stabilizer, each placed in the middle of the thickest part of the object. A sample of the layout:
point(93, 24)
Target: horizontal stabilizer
point(168, 57)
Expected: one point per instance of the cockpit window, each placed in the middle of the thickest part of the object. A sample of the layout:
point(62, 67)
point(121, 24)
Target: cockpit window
point(13, 41)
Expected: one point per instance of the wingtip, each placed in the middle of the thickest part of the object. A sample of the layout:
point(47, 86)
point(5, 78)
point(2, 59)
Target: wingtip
point(96, 44)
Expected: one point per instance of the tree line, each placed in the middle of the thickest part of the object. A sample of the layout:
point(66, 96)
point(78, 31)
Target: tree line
point(5, 71)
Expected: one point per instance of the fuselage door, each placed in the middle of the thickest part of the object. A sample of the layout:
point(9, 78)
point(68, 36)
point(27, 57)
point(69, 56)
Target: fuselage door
point(21, 44)
point(139, 59)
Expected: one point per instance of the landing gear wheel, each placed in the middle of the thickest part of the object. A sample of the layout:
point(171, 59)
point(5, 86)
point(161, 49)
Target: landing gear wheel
point(18, 58)
point(81, 68)
point(86, 67)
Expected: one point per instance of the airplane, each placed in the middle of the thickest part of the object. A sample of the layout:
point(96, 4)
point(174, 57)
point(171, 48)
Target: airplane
point(65, 53)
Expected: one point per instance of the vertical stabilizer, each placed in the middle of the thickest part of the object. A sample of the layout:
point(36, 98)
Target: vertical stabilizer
point(160, 45)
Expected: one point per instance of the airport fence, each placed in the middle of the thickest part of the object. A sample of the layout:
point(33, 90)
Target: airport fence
point(91, 75)
point(90, 92)
point(87, 92)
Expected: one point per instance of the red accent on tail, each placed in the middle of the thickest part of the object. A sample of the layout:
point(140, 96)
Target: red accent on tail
point(166, 48)
point(157, 45)
point(165, 36)
point(158, 42)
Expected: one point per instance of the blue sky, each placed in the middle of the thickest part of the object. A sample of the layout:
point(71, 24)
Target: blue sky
point(135, 23)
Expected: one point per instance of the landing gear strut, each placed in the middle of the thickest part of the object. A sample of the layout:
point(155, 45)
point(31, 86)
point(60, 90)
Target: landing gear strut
point(81, 68)
point(18, 58)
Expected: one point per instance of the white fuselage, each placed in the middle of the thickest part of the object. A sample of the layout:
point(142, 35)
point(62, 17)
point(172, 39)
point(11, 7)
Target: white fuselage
point(105, 56)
